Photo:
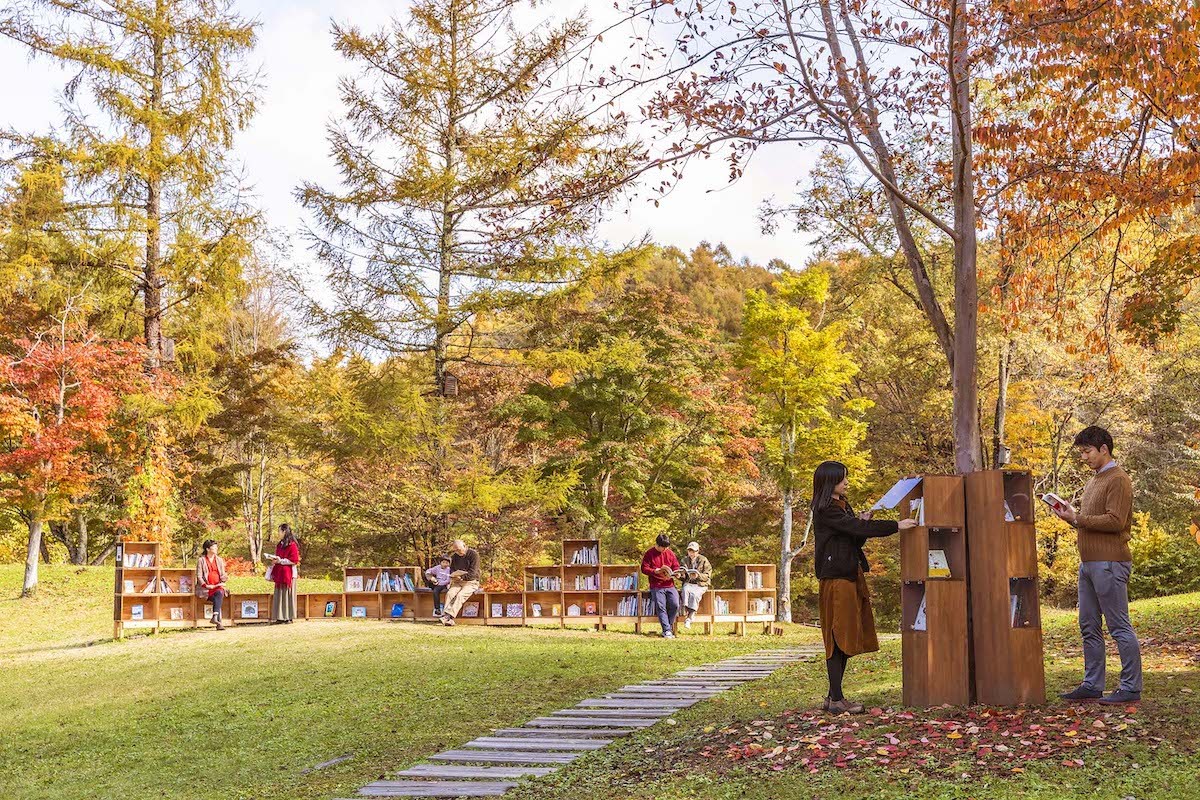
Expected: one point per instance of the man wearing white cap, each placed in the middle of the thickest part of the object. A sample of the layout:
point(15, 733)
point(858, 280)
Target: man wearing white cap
point(697, 577)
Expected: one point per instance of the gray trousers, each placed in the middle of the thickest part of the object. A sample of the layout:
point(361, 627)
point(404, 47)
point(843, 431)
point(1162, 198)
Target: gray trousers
point(1104, 589)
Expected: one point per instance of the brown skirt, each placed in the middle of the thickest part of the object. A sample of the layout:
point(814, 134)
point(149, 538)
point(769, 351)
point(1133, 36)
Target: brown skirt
point(846, 616)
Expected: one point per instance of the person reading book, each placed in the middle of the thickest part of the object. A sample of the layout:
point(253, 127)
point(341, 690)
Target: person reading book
point(464, 580)
point(660, 564)
point(847, 620)
point(438, 577)
point(695, 575)
point(1104, 520)
point(284, 571)
point(210, 580)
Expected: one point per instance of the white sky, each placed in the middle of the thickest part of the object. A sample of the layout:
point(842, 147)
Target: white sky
point(285, 142)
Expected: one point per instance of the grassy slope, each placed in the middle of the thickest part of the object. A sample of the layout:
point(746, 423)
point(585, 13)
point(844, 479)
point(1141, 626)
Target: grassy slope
point(240, 714)
point(1169, 628)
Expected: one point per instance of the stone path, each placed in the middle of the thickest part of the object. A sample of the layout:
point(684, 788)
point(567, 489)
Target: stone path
point(491, 765)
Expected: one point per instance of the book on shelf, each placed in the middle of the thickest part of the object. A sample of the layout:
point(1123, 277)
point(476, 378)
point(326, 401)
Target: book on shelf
point(720, 605)
point(919, 622)
point(165, 587)
point(586, 556)
point(545, 583)
point(1008, 514)
point(185, 584)
point(137, 612)
point(127, 586)
point(587, 583)
point(176, 612)
point(358, 612)
point(556, 610)
point(149, 587)
point(397, 610)
point(138, 560)
point(330, 608)
point(589, 608)
point(249, 609)
point(470, 610)
point(573, 610)
point(497, 609)
point(762, 605)
point(916, 510)
point(208, 610)
point(938, 566)
point(623, 583)
point(535, 609)
point(754, 579)
point(354, 583)
point(514, 610)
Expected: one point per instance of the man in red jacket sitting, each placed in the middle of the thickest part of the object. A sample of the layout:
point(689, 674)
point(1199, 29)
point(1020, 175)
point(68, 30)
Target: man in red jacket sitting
point(660, 564)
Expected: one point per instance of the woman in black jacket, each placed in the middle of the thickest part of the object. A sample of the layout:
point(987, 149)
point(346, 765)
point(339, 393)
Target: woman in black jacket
point(847, 623)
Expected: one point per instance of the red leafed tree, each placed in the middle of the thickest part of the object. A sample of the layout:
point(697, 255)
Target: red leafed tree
point(60, 393)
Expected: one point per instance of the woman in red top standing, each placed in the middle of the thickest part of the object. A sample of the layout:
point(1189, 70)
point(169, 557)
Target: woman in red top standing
point(210, 580)
point(283, 573)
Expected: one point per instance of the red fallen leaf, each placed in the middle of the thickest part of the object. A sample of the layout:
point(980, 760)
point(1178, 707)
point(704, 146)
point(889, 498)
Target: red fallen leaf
point(876, 712)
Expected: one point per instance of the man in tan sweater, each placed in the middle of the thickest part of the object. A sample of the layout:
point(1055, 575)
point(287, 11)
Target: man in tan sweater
point(1103, 520)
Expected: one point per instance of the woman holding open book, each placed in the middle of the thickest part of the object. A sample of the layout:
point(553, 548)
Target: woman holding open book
point(283, 575)
point(847, 621)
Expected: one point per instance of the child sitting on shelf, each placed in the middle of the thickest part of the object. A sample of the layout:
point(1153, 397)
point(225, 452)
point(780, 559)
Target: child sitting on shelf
point(438, 578)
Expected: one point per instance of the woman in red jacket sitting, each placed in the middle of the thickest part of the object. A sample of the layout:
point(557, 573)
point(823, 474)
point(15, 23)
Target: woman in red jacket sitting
point(283, 574)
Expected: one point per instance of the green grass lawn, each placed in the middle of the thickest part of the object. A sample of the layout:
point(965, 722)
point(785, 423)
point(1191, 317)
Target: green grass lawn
point(248, 712)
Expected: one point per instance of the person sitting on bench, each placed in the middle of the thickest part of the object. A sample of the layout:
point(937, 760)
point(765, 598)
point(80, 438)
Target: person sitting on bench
point(464, 580)
point(696, 577)
point(438, 577)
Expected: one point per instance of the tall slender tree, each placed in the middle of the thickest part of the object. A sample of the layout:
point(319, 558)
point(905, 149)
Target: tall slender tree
point(469, 169)
point(169, 82)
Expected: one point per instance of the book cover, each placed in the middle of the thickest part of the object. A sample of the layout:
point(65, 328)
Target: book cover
point(589, 608)
point(470, 610)
point(137, 612)
point(514, 610)
point(358, 612)
point(572, 610)
point(536, 608)
point(330, 608)
point(249, 609)
point(497, 609)
point(919, 623)
point(397, 610)
point(938, 566)
point(176, 613)
point(185, 583)
point(354, 583)
point(129, 587)
point(208, 610)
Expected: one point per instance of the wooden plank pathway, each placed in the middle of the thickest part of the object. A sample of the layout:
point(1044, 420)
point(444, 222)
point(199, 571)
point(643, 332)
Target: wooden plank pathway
point(491, 765)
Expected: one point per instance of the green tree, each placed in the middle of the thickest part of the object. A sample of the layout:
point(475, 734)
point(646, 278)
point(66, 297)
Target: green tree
point(467, 171)
point(797, 374)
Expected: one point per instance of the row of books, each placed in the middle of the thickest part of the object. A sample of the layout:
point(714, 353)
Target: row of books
point(545, 583)
point(587, 583)
point(507, 610)
point(159, 585)
point(720, 606)
point(386, 582)
point(762, 605)
point(754, 580)
point(587, 556)
point(623, 583)
point(628, 606)
point(137, 560)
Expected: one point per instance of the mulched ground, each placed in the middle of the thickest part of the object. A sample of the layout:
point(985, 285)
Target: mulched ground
point(962, 743)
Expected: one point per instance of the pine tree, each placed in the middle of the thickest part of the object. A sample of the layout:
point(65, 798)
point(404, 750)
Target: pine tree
point(166, 78)
point(468, 169)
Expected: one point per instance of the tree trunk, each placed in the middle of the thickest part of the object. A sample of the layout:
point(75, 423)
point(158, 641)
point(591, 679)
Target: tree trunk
point(966, 290)
point(151, 277)
point(783, 602)
point(1001, 407)
point(34, 521)
point(104, 554)
point(81, 547)
point(443, 325)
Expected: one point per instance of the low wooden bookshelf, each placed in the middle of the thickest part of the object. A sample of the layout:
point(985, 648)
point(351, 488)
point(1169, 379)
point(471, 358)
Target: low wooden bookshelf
point(1005, 611)
point(936, 656)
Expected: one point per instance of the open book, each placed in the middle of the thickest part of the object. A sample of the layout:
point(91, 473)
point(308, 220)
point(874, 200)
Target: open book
point(684, 572)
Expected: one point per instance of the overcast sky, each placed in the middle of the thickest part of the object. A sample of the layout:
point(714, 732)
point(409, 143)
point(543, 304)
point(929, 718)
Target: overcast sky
point(285, 142)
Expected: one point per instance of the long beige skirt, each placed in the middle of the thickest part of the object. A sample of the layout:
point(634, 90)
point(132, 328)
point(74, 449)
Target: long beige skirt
point(283, 602)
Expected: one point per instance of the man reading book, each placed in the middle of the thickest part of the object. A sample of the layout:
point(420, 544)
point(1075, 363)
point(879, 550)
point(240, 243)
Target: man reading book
point(660, 565)
point(1103, 520)
point(464, 580)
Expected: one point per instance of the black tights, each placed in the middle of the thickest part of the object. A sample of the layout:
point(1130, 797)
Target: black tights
point(835, 665)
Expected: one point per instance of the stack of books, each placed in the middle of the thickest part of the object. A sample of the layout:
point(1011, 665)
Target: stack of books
point(138, 560)
point(762, 605)
point(587, 583)
point(754, 580)
point(720, 605)
point(545, 583)
point(586, 556)
point(623, 582)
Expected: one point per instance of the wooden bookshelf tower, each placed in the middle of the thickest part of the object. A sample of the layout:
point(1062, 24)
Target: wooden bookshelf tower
point(1006, 624)
point(936, 663)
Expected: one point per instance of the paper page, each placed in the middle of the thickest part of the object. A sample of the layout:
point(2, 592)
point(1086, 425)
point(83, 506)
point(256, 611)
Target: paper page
point(897, 493)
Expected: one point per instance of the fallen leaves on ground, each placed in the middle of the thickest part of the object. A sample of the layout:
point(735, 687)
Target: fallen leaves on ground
point(965, 742)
